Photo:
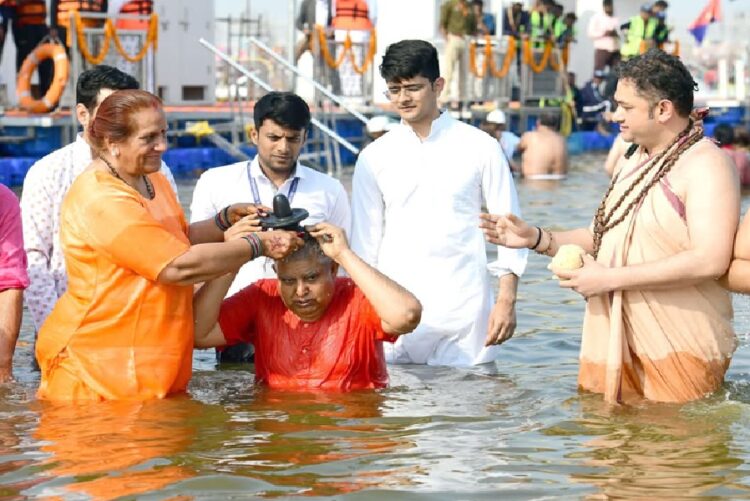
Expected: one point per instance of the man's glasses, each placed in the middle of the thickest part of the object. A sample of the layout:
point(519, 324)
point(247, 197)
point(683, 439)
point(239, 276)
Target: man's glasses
point(392, 93)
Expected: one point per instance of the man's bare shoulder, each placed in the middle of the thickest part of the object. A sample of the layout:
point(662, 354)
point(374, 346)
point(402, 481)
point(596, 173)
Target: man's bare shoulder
point(705, 157)
point(704, 166)
point(530, 135)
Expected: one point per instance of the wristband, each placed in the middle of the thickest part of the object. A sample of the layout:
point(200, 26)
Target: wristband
point(538, 238)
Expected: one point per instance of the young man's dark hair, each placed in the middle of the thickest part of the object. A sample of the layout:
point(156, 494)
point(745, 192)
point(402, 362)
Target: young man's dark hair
point(90, 82)
point(724, 134)
point(285, 108)
point(661, 3)
point(658, 75)
point(549, 119)
point(408, 59)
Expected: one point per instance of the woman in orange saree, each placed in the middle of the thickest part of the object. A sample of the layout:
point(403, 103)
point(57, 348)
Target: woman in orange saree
point(124, 328)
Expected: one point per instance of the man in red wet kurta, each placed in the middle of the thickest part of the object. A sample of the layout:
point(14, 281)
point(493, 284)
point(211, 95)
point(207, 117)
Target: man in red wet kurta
point(311, 330)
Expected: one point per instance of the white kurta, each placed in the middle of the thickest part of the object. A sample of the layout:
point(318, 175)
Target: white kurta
point(321, 195)
point(415, 216)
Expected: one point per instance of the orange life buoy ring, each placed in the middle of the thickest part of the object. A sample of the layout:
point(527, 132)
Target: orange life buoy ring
point(23, 84)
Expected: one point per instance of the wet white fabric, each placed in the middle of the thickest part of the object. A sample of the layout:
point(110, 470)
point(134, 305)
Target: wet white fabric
point(44, 189)
point(415, 207)
point(321, 195)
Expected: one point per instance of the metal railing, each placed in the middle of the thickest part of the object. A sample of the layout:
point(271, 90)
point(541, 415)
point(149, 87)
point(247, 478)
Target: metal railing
point(329, 136)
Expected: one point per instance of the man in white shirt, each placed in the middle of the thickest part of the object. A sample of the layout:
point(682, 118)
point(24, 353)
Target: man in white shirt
point(281, 122)
point(602, 30)
point(46, 185)
point(417, 195)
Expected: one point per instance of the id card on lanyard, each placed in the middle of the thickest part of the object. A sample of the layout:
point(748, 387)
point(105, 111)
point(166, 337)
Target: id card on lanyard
point(256, 193)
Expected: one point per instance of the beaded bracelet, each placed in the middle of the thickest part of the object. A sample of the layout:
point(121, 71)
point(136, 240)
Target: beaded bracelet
point(549, 244)
point(221, 219)
point(255, 244)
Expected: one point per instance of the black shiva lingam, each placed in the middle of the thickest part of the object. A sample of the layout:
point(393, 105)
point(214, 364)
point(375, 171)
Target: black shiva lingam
point(283, 216)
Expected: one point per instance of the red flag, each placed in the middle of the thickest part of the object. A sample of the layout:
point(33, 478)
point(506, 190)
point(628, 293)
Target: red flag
point(710, 13)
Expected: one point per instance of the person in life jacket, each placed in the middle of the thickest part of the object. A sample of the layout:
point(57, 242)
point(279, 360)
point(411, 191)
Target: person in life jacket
point(138, 8)
point(639, 28)
point(565, 30)
point(661, 30)
point(353, 19)
point(6, 11)
point(541, 22)
point(351, 15)
point(61, 10)
point(29, 29)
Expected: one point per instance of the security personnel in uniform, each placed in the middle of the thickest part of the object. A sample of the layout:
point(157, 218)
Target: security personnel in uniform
point(640, 29)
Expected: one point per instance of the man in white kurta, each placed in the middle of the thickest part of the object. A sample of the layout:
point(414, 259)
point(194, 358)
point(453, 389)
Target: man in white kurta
point(415, 209)
point(416, 199)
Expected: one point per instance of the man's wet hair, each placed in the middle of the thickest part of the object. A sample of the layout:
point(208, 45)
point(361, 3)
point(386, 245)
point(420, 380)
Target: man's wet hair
point(724, 134)
point(285, 108)
point(549, 119)
point(409, 59)
point(658, 75)
point(311, 249)
point(90, 82)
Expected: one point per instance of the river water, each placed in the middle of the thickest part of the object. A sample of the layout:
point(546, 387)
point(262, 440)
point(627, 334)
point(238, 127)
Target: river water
point(516, 429)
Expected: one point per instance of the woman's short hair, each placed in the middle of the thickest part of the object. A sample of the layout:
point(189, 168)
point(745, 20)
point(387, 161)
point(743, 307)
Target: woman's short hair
point(114, 118)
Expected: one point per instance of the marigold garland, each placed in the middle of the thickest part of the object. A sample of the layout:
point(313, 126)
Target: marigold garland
point(110, 33)
point(348, 51)
point(489, 59)
point(528, 56)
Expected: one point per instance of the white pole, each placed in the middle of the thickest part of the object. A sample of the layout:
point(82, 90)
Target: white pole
point(292, 34)
point(723, 71)
point(739, 79)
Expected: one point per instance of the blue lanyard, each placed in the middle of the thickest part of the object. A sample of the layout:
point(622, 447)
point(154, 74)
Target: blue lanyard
point(256, 193)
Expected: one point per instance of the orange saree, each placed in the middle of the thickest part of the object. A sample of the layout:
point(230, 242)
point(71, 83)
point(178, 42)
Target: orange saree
point(667, 345)
point(117, 333)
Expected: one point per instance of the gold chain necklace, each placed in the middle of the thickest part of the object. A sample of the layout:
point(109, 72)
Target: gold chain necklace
point(149, 186)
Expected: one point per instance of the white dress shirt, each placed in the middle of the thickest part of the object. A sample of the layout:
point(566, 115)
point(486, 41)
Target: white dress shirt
point(321, 195)
point(415, 216)
point(44, 189)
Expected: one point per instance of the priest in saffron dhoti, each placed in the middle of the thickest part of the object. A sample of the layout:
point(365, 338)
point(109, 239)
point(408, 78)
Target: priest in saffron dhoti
point(658, 324)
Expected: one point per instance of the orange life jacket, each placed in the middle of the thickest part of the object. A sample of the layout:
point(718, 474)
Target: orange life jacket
point(139, 8)
point(30, 13)
point(352, 15)
point(65, 7)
